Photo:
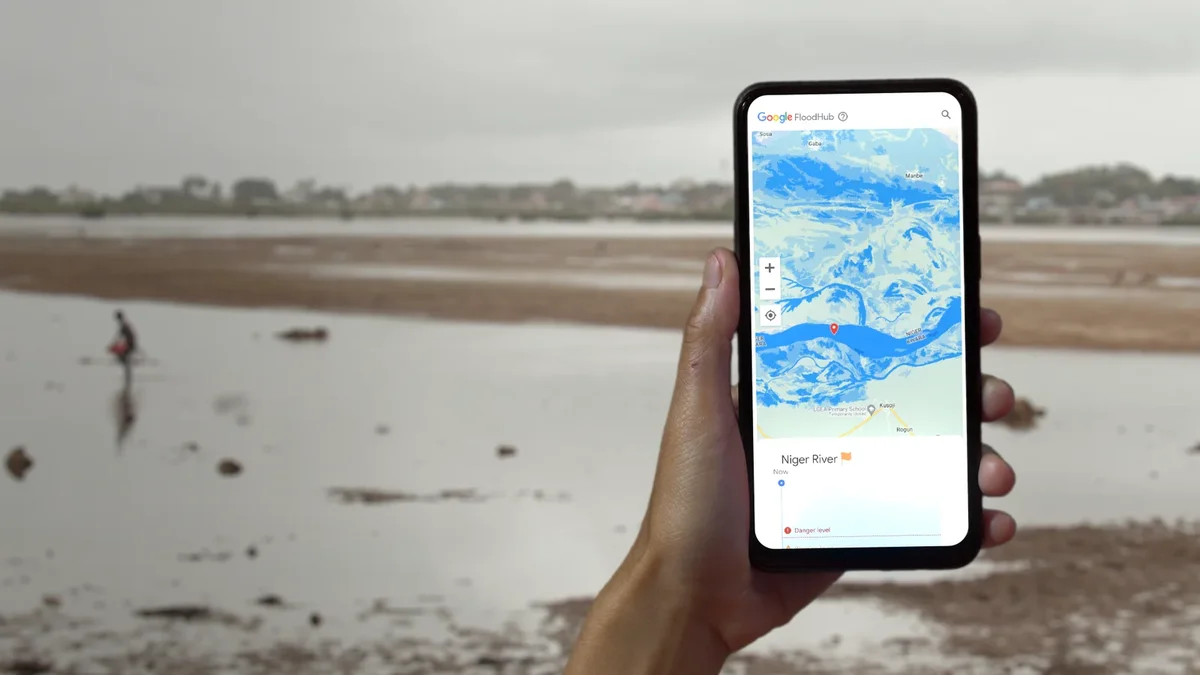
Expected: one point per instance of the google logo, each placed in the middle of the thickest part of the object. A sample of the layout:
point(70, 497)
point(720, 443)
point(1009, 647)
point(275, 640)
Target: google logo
point(781, 118)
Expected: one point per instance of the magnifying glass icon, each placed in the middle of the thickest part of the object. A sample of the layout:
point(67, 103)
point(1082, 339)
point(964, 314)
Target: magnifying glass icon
point(946, 114)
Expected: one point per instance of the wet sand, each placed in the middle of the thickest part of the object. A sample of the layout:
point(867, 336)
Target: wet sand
point(1086, 600)
point(362, 537)
point(358, 535)
point(1052, 294)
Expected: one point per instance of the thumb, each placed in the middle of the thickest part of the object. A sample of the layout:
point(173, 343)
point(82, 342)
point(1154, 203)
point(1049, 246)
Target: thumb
point(703, 381)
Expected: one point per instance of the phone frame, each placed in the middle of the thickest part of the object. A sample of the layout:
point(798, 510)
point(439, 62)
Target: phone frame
point(899, 558)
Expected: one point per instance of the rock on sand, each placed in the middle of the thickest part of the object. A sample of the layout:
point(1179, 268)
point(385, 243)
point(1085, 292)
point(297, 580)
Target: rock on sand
point(18, 463)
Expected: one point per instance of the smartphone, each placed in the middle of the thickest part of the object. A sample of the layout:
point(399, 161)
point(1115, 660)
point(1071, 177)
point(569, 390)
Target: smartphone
point(857, 236)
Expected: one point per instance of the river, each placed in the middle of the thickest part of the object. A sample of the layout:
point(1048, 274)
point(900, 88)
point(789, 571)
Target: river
point(205, 227)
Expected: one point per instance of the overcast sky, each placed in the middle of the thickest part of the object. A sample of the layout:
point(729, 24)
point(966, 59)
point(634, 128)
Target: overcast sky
point(112, 93)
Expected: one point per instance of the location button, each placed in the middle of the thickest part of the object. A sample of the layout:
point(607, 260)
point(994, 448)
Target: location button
point(770, 279)
point(769, 315)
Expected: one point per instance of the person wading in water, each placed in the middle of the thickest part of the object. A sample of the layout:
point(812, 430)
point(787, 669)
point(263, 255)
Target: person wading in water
point(125, 344)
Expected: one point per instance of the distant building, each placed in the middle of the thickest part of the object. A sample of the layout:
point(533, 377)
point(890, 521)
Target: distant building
point(650, 203)
point(423, 201)
point(302, 193)
point(998, 200)
point(1042, 210)
point(1133, 211)
point(380, 200)
point(1183, 206)
point(76, 196)
point(160, 195)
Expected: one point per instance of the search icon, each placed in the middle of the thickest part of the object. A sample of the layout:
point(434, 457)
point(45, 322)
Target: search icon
point(946, 114)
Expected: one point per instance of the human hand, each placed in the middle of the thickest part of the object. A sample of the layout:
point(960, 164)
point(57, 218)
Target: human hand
point(686, 596)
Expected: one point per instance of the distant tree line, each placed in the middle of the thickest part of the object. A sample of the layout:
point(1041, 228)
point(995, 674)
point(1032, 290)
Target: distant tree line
point(1106, 185)
point(194, 194)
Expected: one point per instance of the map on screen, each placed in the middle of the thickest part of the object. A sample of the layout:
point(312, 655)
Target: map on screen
point(857, 283)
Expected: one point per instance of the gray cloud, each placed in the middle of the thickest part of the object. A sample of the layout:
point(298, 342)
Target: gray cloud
point(125, 91)
point(624, 63)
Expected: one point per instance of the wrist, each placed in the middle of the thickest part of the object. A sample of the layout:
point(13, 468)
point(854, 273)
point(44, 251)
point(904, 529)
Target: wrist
point(644, 622)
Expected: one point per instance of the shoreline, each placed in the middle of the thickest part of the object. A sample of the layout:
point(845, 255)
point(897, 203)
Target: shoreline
point(208, 580)
point(509, 217)
point(1081, 296)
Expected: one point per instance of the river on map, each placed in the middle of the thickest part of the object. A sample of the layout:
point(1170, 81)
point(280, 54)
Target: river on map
point(866, 340)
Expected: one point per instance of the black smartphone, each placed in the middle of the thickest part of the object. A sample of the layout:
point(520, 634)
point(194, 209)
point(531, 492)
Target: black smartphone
point(857, 235)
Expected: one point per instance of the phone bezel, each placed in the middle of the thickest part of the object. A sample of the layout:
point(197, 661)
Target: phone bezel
point(899, 558)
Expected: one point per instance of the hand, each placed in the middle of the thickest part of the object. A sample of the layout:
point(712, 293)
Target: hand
point(686, 596)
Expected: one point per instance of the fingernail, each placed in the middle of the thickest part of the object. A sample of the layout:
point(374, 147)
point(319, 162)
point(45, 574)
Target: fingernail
point(712, 271)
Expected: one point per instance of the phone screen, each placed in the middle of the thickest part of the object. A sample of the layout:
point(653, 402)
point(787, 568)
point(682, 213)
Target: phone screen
point(860, 380)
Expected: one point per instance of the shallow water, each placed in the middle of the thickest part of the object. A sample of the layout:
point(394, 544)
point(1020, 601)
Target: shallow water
point(185, 227)
point(193, 227)
point(571, 278)
point(582, 405)
point(1177, 297)
point(119, 519)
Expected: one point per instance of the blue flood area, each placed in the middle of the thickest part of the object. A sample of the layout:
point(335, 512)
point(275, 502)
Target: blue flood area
point(859, 197)
point(866, 340)
point(783, 175)
point(838, 292)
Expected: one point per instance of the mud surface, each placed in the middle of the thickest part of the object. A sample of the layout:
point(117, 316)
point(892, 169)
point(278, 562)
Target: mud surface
point(1104, 296)
point(1074, 599)
point(1083, 599)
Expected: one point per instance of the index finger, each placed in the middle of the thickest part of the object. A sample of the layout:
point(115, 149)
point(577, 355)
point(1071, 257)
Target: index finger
point(990, 325)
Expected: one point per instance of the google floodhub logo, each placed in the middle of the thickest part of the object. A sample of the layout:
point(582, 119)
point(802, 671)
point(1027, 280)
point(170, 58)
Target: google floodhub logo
point(795, 117)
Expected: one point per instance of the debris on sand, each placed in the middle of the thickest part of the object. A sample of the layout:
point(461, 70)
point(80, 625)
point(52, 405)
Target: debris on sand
point(270, 600)
point(503, 451)
point(230, 404)
point(383, 430)
point(229, 468)
point(542, 496)
point(191, 446)
point(18, 463)
point(376, 496)
point(51, 601)
point(178, 612)
point(1060, 590)
point(314, 619)
point(318, 334)
point(252, 552)
point(1023, 416)
point(26, 667)
point(399, 615)
point(206, 556)
point(190, 614)
point(371, 496)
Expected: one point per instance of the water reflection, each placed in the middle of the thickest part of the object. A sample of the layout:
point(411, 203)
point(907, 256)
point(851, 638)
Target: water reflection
point(124, 408)
point(581, 408)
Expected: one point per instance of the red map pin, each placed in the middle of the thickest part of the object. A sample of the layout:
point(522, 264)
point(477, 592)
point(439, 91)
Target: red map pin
point(833, 328)
point(787, 530)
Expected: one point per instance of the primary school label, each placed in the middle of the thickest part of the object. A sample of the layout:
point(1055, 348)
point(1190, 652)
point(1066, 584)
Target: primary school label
point(863, 335)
